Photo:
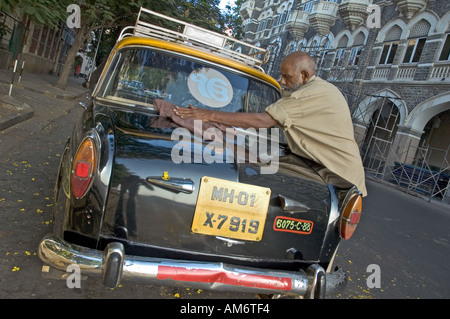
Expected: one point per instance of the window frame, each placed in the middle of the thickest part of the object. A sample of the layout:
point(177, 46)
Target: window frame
point(354, 55)
point(339, 57)
point(445, 47)
point(389, 57)
point(411, 53)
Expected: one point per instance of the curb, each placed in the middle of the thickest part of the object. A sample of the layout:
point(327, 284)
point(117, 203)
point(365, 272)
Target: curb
point(23, 112)
point(67, 97)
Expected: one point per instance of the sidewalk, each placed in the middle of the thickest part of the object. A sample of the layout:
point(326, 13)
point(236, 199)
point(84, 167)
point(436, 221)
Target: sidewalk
point(12, 111)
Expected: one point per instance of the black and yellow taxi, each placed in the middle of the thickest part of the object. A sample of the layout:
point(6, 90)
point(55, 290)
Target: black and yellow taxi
point(144, 195)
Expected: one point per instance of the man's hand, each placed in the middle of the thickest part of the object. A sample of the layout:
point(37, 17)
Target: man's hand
point(192, 111)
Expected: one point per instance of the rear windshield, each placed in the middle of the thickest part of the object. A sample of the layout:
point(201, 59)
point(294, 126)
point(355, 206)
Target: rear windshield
point(137, 76)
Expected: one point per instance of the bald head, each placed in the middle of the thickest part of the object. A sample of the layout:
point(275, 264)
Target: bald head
point(301, 61)
point(296, 69)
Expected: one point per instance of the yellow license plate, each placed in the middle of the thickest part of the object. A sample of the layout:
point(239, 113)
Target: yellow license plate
point(231, 209)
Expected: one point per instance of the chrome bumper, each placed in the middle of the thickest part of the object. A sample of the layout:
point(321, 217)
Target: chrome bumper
point(113, 265)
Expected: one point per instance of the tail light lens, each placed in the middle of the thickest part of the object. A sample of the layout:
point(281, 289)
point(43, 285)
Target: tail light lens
point(84, 167)
point(351, 213)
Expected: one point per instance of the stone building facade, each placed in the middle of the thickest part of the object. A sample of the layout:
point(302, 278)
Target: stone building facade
point(391, 60)
point(43, 48)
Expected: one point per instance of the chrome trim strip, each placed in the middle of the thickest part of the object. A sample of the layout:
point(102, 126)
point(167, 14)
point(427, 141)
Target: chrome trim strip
point(291, 205)
point(178, 185)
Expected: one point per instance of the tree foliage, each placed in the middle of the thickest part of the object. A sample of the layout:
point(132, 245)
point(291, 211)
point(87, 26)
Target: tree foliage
point(113, 15)
point(48, 12)
point(203, 13)
point(231, 17)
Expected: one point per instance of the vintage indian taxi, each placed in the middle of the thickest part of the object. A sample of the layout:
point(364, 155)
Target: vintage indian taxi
point(144, 195)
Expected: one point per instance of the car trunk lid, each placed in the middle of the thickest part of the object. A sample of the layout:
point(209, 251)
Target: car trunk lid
point(153, 198)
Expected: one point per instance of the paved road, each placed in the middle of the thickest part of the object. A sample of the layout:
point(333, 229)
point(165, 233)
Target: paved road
point(408, 238)
point(405, 236)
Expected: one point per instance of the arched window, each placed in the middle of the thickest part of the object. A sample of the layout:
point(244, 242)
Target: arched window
point(281, 17)
point(390, 45)
point(324, 49)
point(357, 47)
point(314, 48)
point(417, 39)
point(340, 52)
point(302, 45)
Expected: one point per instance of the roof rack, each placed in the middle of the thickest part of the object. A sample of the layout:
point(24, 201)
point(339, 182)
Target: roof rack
point(200, 38)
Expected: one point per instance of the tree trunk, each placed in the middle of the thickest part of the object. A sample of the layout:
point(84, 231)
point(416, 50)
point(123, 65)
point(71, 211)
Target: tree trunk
point(67, 68)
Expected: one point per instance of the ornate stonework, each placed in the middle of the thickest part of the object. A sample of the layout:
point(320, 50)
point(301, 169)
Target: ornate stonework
point(323, 16)
point(409, 8)
point(298, 23)
point(247, 8)
point(353, 12)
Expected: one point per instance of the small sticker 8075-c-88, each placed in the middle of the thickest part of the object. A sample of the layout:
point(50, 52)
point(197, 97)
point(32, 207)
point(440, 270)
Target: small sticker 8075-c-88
point(293, 225)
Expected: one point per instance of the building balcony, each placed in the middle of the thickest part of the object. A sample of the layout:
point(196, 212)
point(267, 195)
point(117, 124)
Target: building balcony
point(440, 72)
point(298, 23)
point(323, 15)
point(406, 73)
point(353, 12)
point(394, 73)
point(381, 73)
point(409, 8)
point(247, 8)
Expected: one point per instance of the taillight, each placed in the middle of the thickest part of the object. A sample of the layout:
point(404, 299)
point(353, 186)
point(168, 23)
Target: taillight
point(350, 216)
point(83, 167)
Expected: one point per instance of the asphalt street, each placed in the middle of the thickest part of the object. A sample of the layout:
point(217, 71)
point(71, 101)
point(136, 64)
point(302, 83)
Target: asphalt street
point(408, 238)
point(400, 250)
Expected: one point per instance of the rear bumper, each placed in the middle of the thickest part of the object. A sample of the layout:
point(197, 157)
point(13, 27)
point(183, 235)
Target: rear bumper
point(113, 265)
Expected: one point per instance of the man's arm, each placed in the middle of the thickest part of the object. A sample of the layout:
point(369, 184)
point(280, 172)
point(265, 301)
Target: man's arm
point(243, 120)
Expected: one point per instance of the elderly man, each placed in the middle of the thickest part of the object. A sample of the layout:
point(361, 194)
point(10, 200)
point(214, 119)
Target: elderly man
point(315, 117)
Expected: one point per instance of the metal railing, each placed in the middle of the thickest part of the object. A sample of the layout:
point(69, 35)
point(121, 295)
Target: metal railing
point(191, 35)
point(421, 170)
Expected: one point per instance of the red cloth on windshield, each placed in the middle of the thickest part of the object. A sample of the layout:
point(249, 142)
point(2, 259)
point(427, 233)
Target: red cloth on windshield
point(167, 111)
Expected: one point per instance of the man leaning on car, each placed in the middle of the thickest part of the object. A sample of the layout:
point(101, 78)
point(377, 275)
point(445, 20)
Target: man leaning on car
point(313, 114)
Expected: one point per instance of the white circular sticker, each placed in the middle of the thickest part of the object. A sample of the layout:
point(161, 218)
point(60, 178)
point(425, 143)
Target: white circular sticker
point(210, 87)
